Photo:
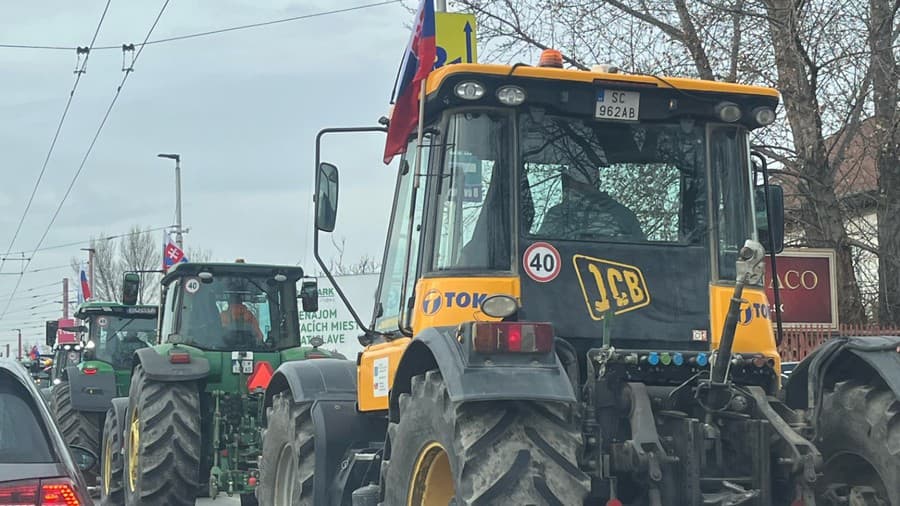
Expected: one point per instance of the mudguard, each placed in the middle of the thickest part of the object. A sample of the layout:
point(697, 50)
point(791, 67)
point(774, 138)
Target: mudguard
point(330, 385)
point(91, 392)
point(312, 379)
point(158, 368)
point(842, 357)
point(471, 377)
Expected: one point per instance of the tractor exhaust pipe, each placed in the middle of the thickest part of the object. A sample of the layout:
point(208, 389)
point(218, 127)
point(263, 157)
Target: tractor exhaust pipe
point(749, 271)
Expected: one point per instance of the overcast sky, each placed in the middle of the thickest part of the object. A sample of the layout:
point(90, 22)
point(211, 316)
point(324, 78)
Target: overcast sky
point(242, 108)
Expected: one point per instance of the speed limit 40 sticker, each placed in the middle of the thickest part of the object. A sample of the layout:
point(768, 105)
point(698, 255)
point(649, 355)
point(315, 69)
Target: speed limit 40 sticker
point(192, 285)
point(541, 262)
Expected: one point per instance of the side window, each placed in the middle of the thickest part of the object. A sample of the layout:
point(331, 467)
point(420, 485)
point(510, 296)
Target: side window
point(393, 273)
point(167, 326)
point(728, 156)
point(472, 227)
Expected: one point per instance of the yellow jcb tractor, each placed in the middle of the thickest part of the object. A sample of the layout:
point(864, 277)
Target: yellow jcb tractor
point(571, 312)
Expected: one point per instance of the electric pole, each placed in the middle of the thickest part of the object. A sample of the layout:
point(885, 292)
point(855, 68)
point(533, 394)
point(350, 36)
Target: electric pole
point(440, 6)
point(65, 298)
point(20, 343)
point(178, 229)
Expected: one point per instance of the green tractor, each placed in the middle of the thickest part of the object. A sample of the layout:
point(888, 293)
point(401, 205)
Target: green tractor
point(192, 420)
point(82, 391)
point(65, 354)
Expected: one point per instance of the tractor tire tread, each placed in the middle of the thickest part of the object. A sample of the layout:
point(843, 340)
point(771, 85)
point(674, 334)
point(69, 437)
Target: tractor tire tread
point(506, 452)
point(116, 495)
point(864, 419)
point(169, 467)
point(288, 422)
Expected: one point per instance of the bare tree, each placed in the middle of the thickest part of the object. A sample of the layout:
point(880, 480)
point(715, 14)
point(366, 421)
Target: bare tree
point(137, 251)
point(339, 267)
point(885, 75)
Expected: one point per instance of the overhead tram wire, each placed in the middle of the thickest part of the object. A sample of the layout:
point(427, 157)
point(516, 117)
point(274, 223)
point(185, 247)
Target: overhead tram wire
point(78, 243)
point(211, 32)
point(62, 119)
point(87, 155)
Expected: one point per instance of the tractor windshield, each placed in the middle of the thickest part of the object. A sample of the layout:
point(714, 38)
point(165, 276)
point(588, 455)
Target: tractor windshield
point(233, 312)
point(116, 338)
point(587, 180)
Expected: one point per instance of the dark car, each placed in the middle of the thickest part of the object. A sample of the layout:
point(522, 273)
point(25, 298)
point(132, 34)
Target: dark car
point(36, 467)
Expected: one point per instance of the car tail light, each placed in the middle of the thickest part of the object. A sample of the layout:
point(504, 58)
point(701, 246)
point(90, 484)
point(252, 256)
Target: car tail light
point(179, 357)
point(512, 337)
point(90, 371)
point(58, 493)
point(54, 492)
point(19, 492)
point(315, 354)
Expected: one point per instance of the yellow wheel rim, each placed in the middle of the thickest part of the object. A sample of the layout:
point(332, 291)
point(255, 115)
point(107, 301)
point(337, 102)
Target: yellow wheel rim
point(134, 436)
point(107, 464)
point(432, 480)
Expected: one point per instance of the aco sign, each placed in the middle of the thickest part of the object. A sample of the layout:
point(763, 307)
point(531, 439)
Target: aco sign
point(807, 287)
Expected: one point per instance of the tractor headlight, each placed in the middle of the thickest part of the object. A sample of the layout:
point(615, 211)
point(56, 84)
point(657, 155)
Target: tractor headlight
point(763, 115)
point(499, 306)
point(510, 95)
point(728, 112)
point(469, 90)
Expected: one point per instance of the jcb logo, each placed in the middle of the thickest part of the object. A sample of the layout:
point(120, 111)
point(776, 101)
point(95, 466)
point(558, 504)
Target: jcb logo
point(610, 287)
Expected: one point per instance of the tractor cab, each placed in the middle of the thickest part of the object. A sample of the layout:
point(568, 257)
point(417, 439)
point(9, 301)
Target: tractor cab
point(113, 331)
point(611, 206)
point(231, 307)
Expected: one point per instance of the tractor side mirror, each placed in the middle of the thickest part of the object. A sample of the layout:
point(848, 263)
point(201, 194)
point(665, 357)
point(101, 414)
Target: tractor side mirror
point(326, 196)
point(309, 296)
point(52, 329)
point(773, 208)
point(131, 286)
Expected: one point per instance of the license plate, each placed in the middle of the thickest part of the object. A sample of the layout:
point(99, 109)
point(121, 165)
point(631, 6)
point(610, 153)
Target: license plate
point(618, 105)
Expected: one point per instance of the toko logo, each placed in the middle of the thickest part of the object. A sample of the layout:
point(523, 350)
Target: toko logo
point(432, 301)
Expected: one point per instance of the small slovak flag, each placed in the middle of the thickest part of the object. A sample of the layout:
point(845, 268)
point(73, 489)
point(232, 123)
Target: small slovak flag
point(172, 254)
point(85, 286)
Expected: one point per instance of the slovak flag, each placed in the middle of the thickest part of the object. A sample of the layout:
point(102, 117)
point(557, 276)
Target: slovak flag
point(85, 286)
point(172, 254)
point(417, 63)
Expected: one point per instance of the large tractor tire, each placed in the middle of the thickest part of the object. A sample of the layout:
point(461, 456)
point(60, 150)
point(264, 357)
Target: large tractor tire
point(162, 442)
point(859, 437)
point(484, 453)
point(112, 491)
point(288, 454)
point(77, 427)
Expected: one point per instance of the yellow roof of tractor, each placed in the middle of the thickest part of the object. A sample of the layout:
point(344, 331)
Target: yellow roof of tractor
point(436, 78)
point(576, 92)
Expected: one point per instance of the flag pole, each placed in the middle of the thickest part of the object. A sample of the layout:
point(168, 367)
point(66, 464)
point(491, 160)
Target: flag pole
point(417, 164)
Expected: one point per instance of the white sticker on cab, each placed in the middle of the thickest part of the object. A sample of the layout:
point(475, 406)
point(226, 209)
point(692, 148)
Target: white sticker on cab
point(380, 385)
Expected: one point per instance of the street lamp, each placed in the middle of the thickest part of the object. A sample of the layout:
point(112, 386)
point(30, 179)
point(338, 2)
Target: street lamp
point(177, 158)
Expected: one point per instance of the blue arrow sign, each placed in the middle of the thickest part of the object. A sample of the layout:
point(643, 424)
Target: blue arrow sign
point(468, 30)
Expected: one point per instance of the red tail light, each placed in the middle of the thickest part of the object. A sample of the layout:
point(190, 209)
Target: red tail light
point(19, 492)
point(90, 371)
point(512, 337)
point(315, 354)
point(179, 357)
point(55, 492)
point(58, 493)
